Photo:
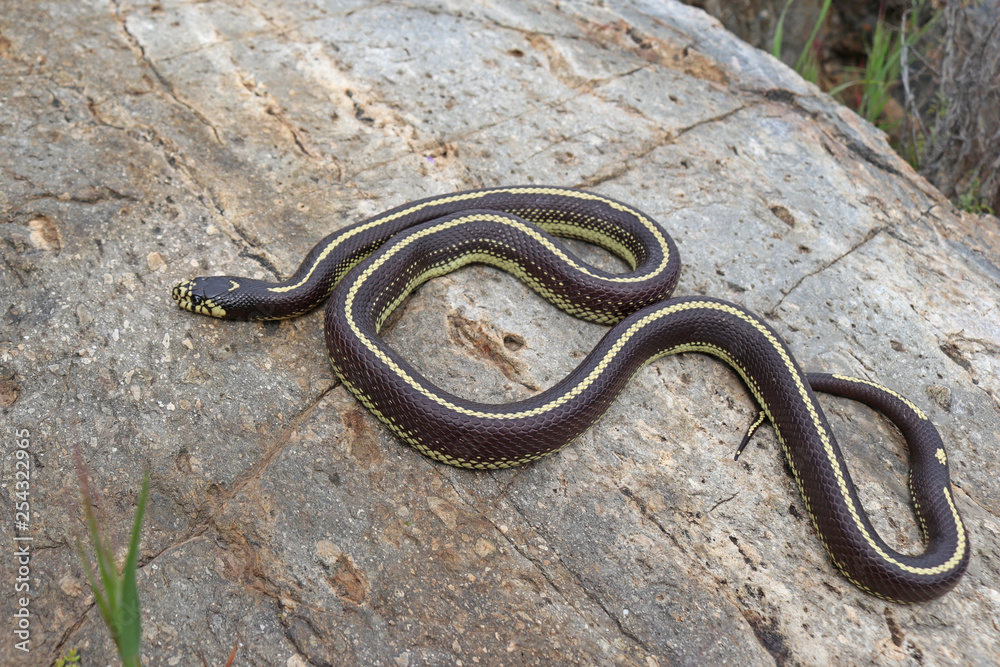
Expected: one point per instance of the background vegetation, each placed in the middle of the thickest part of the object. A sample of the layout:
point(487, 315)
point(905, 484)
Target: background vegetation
point(927, 72)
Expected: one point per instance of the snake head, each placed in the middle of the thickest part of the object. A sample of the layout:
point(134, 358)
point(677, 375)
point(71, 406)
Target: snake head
point(215, 296)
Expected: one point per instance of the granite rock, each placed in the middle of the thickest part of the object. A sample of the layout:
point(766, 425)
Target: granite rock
point(142, 144)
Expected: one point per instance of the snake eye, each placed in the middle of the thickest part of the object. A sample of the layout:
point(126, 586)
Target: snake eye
point(196, 299)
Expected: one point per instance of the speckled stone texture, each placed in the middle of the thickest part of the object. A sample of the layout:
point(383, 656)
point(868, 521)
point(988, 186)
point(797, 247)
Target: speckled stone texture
point(143, 144)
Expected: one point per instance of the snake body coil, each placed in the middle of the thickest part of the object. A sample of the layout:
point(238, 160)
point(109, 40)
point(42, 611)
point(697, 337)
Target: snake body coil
point(510, 228)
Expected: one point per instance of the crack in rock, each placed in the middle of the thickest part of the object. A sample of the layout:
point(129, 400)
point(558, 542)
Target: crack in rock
point(140, 52)
point(872, 233)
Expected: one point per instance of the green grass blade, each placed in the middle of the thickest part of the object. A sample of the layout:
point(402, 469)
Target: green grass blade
point(800, 64)
point(779, 31)
point(810, 69)
point(119, 601)
point(882, 70)
point(833, 92)
point(105, 560)
point(102, 603)
point(129, 618)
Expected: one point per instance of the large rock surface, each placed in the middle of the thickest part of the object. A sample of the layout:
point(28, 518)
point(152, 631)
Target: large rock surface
point(141, 144)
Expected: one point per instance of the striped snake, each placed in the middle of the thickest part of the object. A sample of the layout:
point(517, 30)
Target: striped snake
point(368, 269)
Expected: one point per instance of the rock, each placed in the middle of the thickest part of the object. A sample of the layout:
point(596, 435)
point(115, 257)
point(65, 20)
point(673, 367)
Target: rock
point(145, 144)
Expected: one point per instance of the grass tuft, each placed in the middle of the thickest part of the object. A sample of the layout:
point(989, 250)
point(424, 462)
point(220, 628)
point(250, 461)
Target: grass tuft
point(117, 596)
point(71, 658)
point(972, 200)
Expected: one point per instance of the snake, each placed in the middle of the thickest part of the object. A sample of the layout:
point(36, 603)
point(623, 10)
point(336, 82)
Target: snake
point(365, 271)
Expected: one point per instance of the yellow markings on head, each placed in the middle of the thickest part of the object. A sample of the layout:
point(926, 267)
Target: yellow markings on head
point(233, 285)
point(182, 295)
point(207, 307)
